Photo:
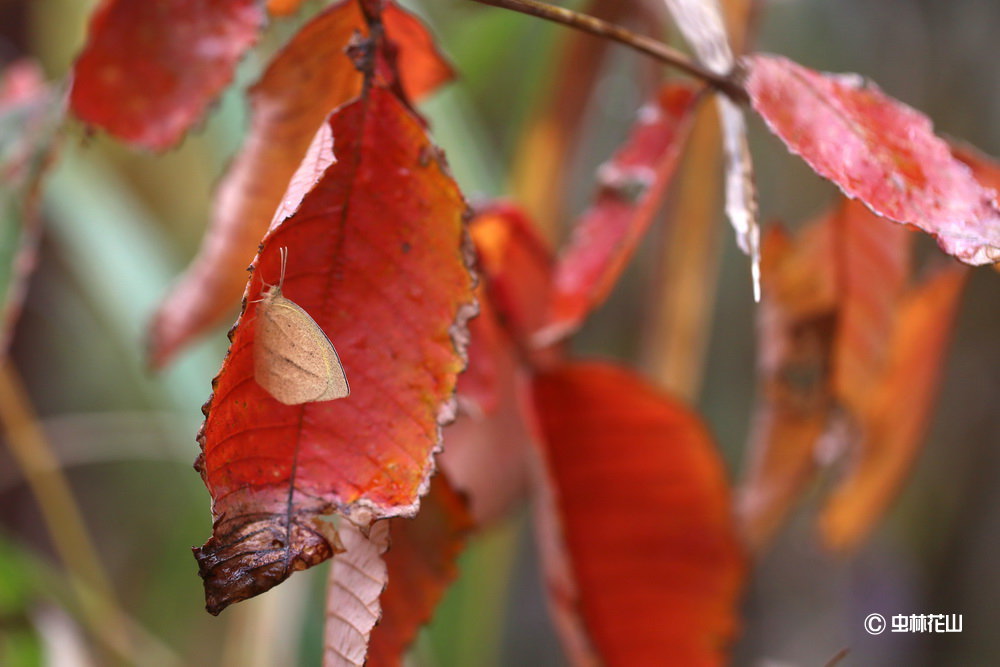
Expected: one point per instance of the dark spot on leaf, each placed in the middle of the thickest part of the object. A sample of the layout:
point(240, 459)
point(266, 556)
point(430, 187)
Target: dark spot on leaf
point(424, 158)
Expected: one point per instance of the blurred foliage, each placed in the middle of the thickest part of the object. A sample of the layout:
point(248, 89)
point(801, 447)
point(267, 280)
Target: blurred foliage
point(120, 225)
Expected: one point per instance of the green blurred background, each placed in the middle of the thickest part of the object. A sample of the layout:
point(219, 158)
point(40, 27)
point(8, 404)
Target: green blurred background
point(121, 225)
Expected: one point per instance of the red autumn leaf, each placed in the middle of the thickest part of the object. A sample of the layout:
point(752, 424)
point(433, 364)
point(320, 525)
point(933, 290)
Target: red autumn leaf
point(516, 265)
point(358, 576)
point(421, 562)
point(30, 114)
point(516, 270)
point(634, 481)
point(150, 69)
point(485, 455)
point(311, 76)
point(386, 278)
point(479, 385)
point(485, 452)
point(795, 339)
point(984, 168)
point(897, 414)
point(878, 150)
point(422, 67)
point(631, 189)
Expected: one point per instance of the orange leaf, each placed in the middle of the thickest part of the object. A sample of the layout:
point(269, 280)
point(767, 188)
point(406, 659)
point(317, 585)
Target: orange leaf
point(421, 562)
point(795, 337)
point(654, 570)
point(283, 7)
point(631, 189)
point(150, 69)
point(873, 261)
point(822, 348)
point(422, 67)
point(310, 77)
point(387, 279)
point(878, 150)
point(895, 418)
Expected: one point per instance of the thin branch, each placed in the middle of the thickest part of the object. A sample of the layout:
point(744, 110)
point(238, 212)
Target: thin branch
point(641, 43)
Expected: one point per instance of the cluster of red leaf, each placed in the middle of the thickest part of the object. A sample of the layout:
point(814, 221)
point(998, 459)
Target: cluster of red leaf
point(338, 170)
point(633, 512)
point(632, 507)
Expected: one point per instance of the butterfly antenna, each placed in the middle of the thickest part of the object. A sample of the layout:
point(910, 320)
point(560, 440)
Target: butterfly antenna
point(284, 263)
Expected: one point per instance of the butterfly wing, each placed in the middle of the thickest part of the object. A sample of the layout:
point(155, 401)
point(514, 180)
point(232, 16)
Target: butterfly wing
point(293, 359)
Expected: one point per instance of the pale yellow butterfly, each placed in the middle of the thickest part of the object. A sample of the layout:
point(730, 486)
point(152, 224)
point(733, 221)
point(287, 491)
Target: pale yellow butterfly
point(292, 358)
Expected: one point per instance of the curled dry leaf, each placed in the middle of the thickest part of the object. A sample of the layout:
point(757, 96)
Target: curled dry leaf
point(387, 278)
point(639, 514)
point(310, 76)
point(30, 115)
point(421, 562)
point(878, 150)
point(741, 191)
point(357, 578)
point(897, 413)
point(150, 69)
point(631, 188)
point(701, 23)
point(703, 27)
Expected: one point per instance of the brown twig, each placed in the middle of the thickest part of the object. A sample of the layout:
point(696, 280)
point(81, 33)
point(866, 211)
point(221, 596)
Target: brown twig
point(641, 43)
